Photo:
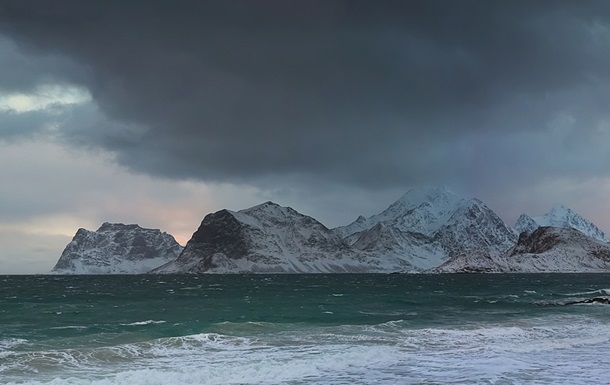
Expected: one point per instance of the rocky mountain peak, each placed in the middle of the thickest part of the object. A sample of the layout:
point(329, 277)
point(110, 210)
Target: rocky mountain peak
point(542, 239)
point(426, 198)
point(428, 226)
point(423, 210)
point(116, 248)
point(525, 224)
point(266, 238)
point(556, 249)
point(562, 217)
point(361, 219)
point(268, 209)
point(107, 226)
point(433, 195)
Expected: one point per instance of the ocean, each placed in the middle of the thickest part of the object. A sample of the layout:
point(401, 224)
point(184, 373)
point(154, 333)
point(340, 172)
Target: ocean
point(304, 329)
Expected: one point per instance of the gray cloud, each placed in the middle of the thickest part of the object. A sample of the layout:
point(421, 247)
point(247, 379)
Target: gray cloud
point(369, 94)
point(20, 72)
point(15, 125)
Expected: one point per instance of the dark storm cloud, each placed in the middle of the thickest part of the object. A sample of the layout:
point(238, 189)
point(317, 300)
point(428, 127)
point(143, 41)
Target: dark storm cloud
point(20, 73)
point(381, 93)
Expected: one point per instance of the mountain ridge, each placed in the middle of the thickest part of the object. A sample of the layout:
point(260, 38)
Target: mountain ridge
point(116, 248)
point(558, 249)
point(562, 217)
point(268, 238)
point(429, 226)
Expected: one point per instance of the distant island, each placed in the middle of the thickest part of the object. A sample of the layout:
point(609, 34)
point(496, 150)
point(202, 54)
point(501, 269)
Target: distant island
point(428, 230)
point(116, 248)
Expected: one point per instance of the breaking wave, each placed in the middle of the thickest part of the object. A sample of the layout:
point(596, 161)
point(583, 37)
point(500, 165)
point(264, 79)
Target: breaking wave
point(385, 353)
point(140, 323)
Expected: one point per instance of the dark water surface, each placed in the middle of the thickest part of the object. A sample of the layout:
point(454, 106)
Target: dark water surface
point(304, 329)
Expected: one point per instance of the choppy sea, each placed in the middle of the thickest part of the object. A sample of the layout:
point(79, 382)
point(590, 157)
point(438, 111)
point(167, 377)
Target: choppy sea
point(304, 329)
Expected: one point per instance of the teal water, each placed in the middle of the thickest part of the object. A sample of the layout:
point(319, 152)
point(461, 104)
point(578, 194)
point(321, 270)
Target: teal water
point(304, 329)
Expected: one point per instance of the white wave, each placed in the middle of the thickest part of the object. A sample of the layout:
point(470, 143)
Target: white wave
point(269, 366)
point(7, 346)
point(590, 304)
point(191, 287)
point(148, 322)
point(557, 349)
point(9, 343)
point(380, 313)
point(591, 292)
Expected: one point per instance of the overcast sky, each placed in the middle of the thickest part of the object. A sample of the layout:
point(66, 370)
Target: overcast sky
point(159, 112)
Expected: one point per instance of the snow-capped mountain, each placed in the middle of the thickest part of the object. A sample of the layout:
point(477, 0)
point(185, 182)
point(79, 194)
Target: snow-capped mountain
point(421, 210)
point(269, 238)
point(563, 217)
point(525, 223)
point(429, 226)
point(555, 249)
point(475, 228)
point(116, 248)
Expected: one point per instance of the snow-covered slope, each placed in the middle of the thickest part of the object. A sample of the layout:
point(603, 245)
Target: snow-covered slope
point(269, 238)
point(421, 210)
point(525, 223)
point(429, 226)
point(545, 250)
point(563, 217)
point(476, 233)
point(554, 249)
point(116, 248)
point(414, 250)
point(471, 262)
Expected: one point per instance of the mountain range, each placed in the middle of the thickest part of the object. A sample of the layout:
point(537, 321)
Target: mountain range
point(426, 230)
point(269, 238)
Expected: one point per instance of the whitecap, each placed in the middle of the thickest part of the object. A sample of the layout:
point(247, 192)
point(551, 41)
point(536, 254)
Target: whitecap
point(9, 343)
point(148, 322)
point(593, 291)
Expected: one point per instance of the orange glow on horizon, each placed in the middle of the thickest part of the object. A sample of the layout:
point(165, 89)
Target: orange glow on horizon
point(182, 240)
